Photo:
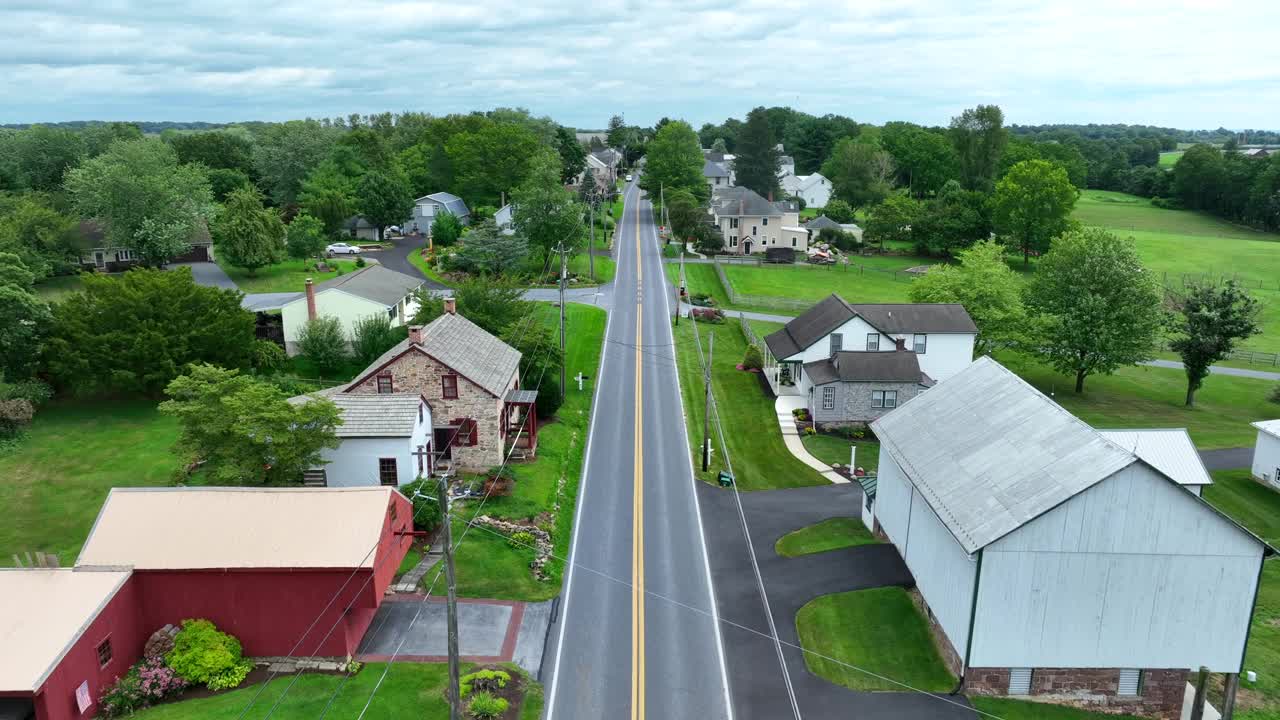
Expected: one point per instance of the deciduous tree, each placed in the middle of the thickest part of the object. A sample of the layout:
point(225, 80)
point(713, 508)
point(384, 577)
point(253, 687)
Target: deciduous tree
point(861, 174)
point(446, 228)
point(547, 214)
point(892, 219)
point(838, 210)
point(673, 161)
point(323, 343)
point(1032, 205)
point(1213, 320)
point(246, 234)
point(383, 198)
point(287, 152)
point(489, 251)
point(493, 303)
point(373, 335)
point(756, 162)
point(983, 283)
point(1098, 308)
point(305, 237)
point(492, 161)
point(573, 158)
point(979, 137)
point(24, 320)
point(44, 238)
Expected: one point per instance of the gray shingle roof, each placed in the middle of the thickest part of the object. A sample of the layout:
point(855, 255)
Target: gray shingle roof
point(464, 347)
point(854, 366)
point(811, 326)
point(713, 169)
point(832, 311)
point(990, 453)
point(375, 283)
point(738, 201)
point(370, 415)
point(451, 202)
point(822, 222)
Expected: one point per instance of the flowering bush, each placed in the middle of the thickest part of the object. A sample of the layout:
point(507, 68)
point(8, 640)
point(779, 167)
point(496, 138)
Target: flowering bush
point(156, 680)
point(147, 682)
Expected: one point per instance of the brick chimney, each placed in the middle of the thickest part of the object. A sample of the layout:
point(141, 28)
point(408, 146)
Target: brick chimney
point(900, 343)
point(311, 300)
point(451, 306)
point(415, 334)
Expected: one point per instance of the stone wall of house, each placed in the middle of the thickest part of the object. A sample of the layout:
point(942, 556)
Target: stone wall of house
point(853, 401)
point(1162, 690)
point(418, 373)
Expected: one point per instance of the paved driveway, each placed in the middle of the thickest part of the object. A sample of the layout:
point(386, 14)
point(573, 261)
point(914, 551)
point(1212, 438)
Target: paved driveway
point(208, 273)
point(397, 258)
point(756, 676)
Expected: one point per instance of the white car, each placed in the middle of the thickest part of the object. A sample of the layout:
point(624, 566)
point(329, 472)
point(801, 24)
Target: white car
point(628, 178)
point(342, 248)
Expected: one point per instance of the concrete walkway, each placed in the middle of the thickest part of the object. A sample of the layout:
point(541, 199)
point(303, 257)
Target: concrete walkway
point(786, 422)
point(489, 631)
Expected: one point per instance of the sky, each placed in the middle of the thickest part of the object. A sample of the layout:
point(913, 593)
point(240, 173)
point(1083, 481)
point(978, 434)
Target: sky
point(1179, 63)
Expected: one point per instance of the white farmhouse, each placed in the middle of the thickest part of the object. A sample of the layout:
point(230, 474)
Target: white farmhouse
point(427, 207)
point(1266, 452)
point(751, 224)
point(1052, 561)
point(814, 189)
point(385, 440)
point(371, 290)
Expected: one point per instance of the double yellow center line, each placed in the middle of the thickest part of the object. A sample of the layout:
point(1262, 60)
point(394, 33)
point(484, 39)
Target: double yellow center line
point(637, 517)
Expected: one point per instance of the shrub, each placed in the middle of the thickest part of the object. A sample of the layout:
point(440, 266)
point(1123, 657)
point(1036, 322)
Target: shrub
point(701, 300)
point(708, 315)
point(205, 655)
point(148, 681)
point(122, 697)
point(18, 403)
point(1168, 203)
point(374, 335)
point(360, 262)
point(483, 681)
point(486, 706)
point(322, 342)
point(810, 431)
point(268, 356)
point(1274, 396)
point(426, 511)
point(521, 540)
point(753, 359)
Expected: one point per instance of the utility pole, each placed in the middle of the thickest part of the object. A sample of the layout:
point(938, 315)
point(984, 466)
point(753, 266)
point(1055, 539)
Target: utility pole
point(706, 406)
point(564, 270)
point(680, 289)
point(455, 701)
point(591, 241)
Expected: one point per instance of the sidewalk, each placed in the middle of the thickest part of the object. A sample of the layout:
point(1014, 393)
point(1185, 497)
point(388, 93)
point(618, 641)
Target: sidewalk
point(783, 407)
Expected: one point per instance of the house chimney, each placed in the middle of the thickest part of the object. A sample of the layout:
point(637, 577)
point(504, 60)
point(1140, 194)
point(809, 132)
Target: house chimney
point(770, 196)
point(311, 300)
point(415, 334)
point(451, 306)
point(900, 343)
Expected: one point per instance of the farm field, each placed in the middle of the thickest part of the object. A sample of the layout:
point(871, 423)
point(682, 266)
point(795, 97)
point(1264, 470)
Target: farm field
point(1171, 158)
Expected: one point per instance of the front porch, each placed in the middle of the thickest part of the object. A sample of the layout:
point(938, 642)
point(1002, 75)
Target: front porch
point(520, 424)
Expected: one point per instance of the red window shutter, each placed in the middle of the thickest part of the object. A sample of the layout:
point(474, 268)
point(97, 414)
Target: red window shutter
point(473, 429)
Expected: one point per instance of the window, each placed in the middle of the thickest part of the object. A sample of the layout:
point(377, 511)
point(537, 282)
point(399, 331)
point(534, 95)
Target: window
point(419, 412)
point(384, 384)
point(733, 223)
point(828, 398)
point(873, 341)
point(1130, 683)
point(395, 514)
point(104, 653)
point(733, 241)
point(918, 343)
point(793, 242)
point(124, 255)
point(387, 474)
point(884, 398)
point(393, 311)
point(837, 343)
point(449, 387)
point(466, 433)
point(764, 221)
point(755, 230)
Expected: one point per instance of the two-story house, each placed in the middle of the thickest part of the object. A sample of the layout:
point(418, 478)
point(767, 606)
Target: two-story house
point(752, 224)
point(716, 175)
point(814, 189)
point(855, 363)
point(427, 207)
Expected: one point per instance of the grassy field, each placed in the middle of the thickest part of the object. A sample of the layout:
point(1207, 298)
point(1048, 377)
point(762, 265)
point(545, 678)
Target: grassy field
point(57, 287)
point(830, 534)
point(58, 474)
point(879, 630)
point(760, 459)
point(834, 450)
point(487, 566)
point(1171, 158)
point(288, 276)
point(1145, 397)
point(1257, 507)
point(410, 690)
point(1026, 710)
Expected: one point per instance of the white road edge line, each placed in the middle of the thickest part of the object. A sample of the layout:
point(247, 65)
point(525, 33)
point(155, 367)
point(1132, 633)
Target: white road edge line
point(697, 506)
point(571, 561)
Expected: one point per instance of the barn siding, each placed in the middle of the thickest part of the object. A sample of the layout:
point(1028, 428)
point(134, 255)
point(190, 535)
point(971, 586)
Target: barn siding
point(1134, 572)
point(1266, 458)
point(943, 571)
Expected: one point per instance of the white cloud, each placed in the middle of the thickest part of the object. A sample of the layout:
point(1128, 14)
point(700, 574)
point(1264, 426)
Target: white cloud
point(1200, 64)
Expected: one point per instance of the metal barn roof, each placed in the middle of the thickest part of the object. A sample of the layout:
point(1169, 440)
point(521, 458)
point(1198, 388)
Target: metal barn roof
point(990, 453)
point(1168, 450)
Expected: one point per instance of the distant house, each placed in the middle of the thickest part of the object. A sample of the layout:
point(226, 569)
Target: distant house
point(610, 157)
point(385, 440)
point(470, 379)
point(1255, 152)
point(938, 338)
point(427, 207)
point(287, 571)
point(99, 255)
point(814, 189)
point(505, 217)
point(371, 290)
point(1266, 452)
point(600, 174)
point(360, 229)
point(1053, 562)
point(715, 174)
point(752, 224)
point(860, 386)
point(818, 224)
point(786, 165)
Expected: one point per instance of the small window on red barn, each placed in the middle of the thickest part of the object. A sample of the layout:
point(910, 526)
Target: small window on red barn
point(395, 514)
point(449, 387)
point(387, 474)
point(384, 384)
point(104, 653)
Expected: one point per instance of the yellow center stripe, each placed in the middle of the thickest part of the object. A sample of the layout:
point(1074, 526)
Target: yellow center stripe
point(637, 519)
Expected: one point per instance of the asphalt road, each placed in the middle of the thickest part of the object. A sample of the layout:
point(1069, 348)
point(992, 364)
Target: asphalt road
point(637, 634)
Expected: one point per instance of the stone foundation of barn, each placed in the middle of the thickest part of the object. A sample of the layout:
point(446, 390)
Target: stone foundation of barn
point(1160, 691)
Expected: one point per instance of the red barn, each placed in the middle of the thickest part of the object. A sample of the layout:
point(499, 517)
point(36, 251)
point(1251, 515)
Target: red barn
point(288, 571)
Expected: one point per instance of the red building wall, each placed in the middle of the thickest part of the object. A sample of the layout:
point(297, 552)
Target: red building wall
point(120, 621)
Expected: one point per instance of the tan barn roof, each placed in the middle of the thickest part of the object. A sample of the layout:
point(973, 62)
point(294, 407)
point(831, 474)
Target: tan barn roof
point(45, 612)
point(231, 527)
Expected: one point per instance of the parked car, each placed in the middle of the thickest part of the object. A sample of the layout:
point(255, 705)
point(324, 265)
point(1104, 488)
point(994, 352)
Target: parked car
point(628, 178)
point(341, 248)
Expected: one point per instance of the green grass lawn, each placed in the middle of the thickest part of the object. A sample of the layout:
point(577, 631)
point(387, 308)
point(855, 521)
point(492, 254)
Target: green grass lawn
point(834, 450)
point(1148, 397)
point(878, 630)
point(830, 534)
point(410, 690)
point(861, 281)
point(58, 287)
point(699, 278)
point(579, 265)
point(1169, 159)
point(411, 560)
point(487, 566)
point(1026, 710)
point(288, 276)
point(58, 474)
point(415, 259)
point(1257, 507)
point(760, 459)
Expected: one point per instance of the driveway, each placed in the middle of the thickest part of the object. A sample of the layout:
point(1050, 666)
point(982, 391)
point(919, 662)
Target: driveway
point(756, 678)
point(397, 258)
point(1227, 459)
point(208, 273)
